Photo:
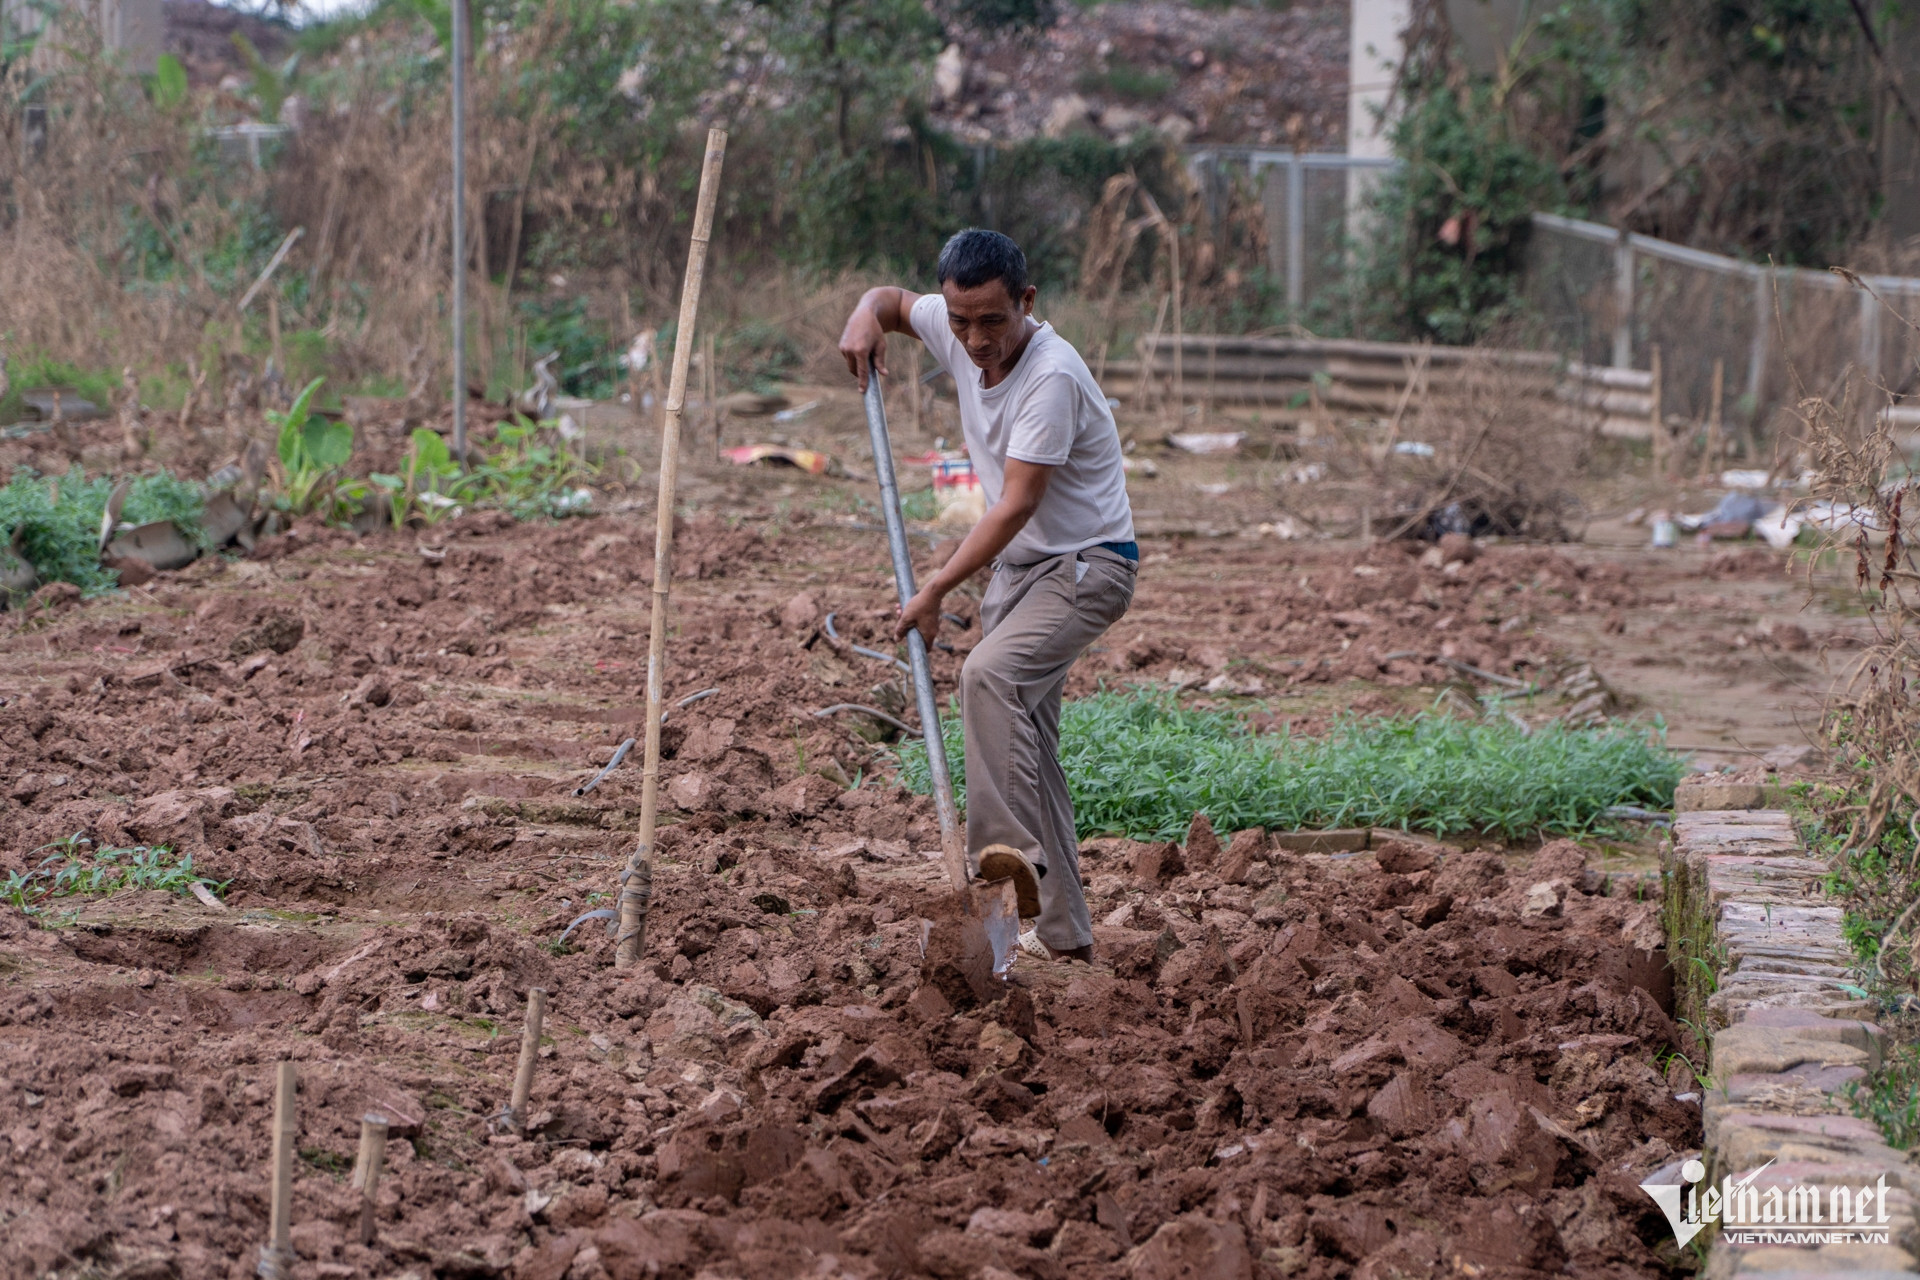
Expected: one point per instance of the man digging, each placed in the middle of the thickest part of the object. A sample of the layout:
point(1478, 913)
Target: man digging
point(1059, 534)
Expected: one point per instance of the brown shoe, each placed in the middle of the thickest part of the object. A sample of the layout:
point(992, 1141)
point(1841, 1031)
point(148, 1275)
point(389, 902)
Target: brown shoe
point(1004, 862)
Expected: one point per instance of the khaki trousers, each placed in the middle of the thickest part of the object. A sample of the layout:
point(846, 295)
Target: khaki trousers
point(1037, 619)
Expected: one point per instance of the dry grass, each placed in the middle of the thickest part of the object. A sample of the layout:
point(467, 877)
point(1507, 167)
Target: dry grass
point(1859, 469)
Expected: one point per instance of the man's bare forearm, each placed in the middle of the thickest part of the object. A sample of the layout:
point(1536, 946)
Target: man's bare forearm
point(887, 302)
point(977, 550)
point(880, 311)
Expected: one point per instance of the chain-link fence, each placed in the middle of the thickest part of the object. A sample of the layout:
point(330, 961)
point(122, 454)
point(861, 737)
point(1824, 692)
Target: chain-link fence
point(1304, 200)
point(1773, 334)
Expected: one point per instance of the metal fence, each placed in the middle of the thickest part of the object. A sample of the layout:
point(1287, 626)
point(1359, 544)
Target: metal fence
point(1774, 333)
point(1307, 201)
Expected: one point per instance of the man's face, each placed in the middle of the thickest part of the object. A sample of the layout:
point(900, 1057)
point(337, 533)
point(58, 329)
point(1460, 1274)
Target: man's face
point(990, 322)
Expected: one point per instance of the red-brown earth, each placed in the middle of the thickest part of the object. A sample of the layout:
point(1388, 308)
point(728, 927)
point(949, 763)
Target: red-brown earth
point(1283, 1064)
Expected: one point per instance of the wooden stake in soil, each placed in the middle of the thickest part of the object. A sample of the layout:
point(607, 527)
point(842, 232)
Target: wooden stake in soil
point(636, 882)
point(529, 1054)
point(276, 1257)
point(366, 1169)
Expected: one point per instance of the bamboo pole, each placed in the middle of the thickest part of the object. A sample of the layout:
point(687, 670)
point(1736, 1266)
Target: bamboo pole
point(529, 1054)
point(366, 1169)
point(636, 882)
point(276, 1259)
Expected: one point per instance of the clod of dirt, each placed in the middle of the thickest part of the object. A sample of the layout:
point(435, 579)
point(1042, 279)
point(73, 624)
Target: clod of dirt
point(1401, 858)
point(372, 691)
point(1543, 899)
point(279, 632)
point(1203, 846)
point(132, 571)
point(800, 612)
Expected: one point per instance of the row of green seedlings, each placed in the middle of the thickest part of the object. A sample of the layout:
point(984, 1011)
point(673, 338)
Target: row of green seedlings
point(525, 474)
point(73, 869)
point(1140, 764)
point(276, 1255)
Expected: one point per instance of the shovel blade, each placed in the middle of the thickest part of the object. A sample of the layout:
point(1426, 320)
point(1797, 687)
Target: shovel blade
point(970, 944)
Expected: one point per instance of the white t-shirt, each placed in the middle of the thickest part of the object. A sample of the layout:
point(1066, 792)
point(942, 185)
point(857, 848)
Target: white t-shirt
point(1048, 411)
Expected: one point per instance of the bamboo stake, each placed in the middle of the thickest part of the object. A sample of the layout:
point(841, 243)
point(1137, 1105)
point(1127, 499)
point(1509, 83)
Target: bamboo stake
point(366, 1169)
point(276, 1257)
point(636, 882)
point(1149, 352)
point(529, 1054)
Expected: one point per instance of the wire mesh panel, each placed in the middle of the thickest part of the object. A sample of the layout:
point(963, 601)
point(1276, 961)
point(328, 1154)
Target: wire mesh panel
point(1694, 318)
point(1570, 294)
point(1325, 231)
point(1777, 334)
point(1304, 202)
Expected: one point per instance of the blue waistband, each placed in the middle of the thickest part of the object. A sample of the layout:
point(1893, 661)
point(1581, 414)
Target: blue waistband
point(1126, 550)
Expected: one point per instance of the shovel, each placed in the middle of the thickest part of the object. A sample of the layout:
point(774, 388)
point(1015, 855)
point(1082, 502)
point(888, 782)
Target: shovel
point(988, 916)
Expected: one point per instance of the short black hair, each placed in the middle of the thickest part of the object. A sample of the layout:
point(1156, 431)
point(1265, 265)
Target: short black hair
point(973, 257)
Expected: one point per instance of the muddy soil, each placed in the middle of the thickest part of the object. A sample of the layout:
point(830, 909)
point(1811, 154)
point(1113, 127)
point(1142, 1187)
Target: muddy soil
point(1380, 1064)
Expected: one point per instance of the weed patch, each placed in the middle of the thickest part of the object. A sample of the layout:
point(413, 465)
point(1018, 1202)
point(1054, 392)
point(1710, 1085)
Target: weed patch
point(1126, 80)
point(1878, 885)
point(56, 520)
point(1141, 765)
point(1891, 1096)
point(72, 869)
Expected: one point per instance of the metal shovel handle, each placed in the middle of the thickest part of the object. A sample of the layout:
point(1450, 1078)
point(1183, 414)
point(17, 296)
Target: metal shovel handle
point(953, 845)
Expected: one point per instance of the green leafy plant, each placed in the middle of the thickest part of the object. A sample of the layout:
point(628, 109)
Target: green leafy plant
point(311, 449)
point(1139, 764)
point(529, 475)
point(271, 85)
point(169, 82)
point(421, 491)
point(58, 519)
point(589, 363)
point(1890, 1097)
point(73, 869)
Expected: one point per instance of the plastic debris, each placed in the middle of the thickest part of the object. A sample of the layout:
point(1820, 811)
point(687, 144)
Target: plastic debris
point(811, 461)
point(1207, 441)
point(797, 412)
